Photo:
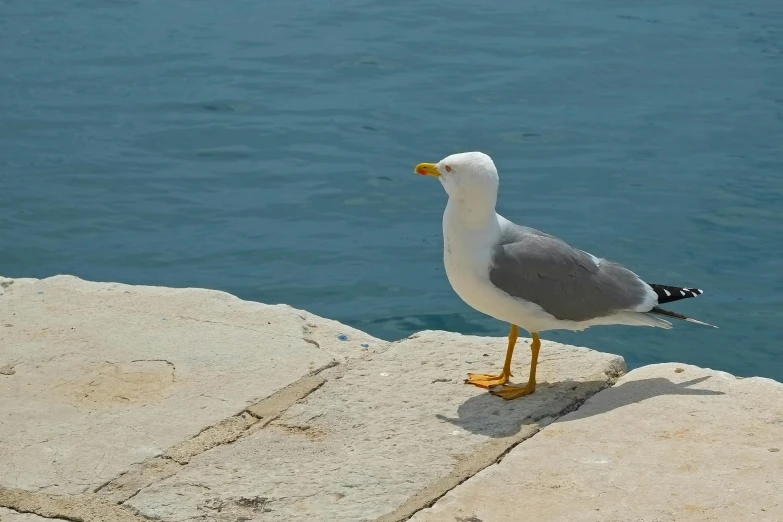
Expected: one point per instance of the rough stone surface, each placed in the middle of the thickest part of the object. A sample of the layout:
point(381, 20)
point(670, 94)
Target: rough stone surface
point(224, 432)
point(122, 403)
point(668, 442)
point(138, 477)
point(79, 508)
point(386, 428)
point(7, 515)
point(95, 377)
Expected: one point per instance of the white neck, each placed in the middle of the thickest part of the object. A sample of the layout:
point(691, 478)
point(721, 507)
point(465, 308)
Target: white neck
point(473, 213)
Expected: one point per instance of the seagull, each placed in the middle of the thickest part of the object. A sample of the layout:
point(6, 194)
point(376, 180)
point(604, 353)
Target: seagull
point(528, 278)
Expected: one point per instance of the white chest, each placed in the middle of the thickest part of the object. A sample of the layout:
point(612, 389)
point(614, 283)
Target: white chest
point(467, 255)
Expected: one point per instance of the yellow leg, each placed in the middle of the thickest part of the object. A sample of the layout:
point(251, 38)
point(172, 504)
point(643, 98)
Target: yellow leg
point(486, 380)
point(509, 392)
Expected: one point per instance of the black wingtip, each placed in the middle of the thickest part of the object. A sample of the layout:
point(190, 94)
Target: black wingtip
point(667, 294)
point(668, 313)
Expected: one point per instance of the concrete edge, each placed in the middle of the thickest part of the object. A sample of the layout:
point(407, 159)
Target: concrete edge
point(106, 503)
point(489, 454)
point(720, 374)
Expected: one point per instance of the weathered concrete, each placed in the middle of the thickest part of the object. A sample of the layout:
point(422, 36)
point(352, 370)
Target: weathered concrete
point(7, 515)
point(385, 436)
point(80, 508)
point(95, 377)
point(124, 404)
point(227, 431)
point(668, 442)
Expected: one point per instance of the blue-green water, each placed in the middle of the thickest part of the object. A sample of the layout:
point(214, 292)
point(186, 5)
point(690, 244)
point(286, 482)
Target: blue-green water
point(266, 149)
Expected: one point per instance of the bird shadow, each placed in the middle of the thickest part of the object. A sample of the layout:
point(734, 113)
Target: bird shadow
point(488, 415)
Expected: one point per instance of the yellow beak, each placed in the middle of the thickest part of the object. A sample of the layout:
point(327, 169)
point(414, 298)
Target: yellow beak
point(427, 169)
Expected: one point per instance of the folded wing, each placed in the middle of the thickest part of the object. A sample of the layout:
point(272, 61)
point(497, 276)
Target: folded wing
point(567, 283)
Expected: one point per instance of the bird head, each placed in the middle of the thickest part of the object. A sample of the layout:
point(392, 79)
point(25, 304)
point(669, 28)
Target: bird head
point(468, 176)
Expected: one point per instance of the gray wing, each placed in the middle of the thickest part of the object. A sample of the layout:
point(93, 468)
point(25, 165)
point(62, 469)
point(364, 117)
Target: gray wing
point(567, 283)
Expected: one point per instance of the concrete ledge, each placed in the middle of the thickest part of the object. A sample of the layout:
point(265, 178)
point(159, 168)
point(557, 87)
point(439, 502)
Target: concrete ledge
point(122, 403)
point(383, 438)
point(99, 376)
point(130, 403)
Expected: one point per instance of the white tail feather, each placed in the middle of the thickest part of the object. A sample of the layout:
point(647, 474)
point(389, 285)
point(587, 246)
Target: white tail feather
point(699, 322)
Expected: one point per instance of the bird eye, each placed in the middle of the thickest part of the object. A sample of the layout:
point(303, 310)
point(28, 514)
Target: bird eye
point(448, 169)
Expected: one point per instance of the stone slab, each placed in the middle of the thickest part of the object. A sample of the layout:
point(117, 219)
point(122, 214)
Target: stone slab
point(668, 442)
point(385, 437)
point(95, 377)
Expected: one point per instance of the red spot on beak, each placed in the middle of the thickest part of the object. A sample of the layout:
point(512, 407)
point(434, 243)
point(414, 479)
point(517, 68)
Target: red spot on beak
point(422, 172)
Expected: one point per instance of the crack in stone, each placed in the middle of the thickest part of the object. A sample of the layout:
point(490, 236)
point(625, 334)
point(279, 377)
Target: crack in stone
point(173, 368)
point(134, 494)
point(312, 341)
point(330, 364)
point(489, 454)
point(31, 513)
point(256, 416)
point(218, 322)
point(215, 398)
point(222, 433)
point(77, 508)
